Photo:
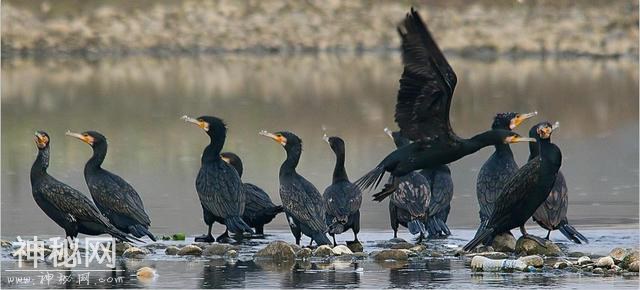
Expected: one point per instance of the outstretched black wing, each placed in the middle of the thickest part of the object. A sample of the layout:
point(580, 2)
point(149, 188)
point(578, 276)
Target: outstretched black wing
point(426, 86)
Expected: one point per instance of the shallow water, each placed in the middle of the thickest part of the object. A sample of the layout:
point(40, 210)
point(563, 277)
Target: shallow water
point(445, 272)
point(136, 102)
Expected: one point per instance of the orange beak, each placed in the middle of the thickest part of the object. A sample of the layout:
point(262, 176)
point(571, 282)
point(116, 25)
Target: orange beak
point(83, 137)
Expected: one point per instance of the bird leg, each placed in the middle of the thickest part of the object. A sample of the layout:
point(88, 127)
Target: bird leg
point(420, 238)
point(548, 234)
point(310, 243)
point(538, 240)
point(334, 240)
point(224, 238)
point(208, 238)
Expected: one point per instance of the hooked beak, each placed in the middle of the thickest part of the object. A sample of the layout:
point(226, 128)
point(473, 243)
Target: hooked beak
point(516, 139)
point(41, 140)
point(84, 138)
point(388, 132)
point(325, 138)
point(515, 122)
point(202, 124)
point(279, 139)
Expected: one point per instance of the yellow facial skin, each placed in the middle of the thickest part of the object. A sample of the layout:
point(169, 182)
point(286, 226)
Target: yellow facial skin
point(82, 137)
point(516, 139)
point(515, 122)
point(41, 140)
point(202, 124)
point(276, 137)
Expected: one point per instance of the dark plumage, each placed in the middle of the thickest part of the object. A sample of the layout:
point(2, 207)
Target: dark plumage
point(422, 112)
point(524, 192)
point(552, 214)
point(67, 207)
point(500, 166)
point(259, 210)
point(218, 184)
point(342, 198)
point(409, 203)
point(302, 202)
point(441, 187)
point(114, 197)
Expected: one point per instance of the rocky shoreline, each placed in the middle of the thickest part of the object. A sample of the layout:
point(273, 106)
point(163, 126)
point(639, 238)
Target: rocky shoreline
point(485, 29)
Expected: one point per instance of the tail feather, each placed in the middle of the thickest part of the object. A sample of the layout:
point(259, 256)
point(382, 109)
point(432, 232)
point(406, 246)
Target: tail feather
point(481, 228)
point(480, 238)
point(371, 179)
point(116, 233)
point(416, 226)
point(437, 228)
point(140, 231)
point(321, 239)
point(444, 227)
point(571, 233)
point(236, 225)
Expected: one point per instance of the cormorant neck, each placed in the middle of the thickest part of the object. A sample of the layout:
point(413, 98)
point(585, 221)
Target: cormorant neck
point(293, 157)
point(41, 164)
point(99, 153)
point(339, 172)
point(503, 148)
point(212, 151)
point(479, 141)
point(534, 149)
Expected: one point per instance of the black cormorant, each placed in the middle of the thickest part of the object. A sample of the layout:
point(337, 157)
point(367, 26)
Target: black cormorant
point(409, 203)
point(422, 112)
point(342, 198)
point(441, 187)
point(218, 184)
point(495, 172)
point(552, 214)
point(524, 192)
point(114, 197)
point(259, 210)
point(67, 207)
point(302, 202)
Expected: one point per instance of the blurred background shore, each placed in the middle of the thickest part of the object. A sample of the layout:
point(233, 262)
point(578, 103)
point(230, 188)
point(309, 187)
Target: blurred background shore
point(480, 29)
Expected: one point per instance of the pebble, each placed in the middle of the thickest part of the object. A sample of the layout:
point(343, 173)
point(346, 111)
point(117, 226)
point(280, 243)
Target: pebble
point(618, 254)
point(631, 257)
point(528, 246)
point(304, 253)
point(355, 247)
point(605, 262)
point(560, 265)
point(533, 260)
point(634, 267)
point(598, 271)
point(393, 254)
point(190, 250)
point(576, 254)
point(402, 245)
point(418, 248)
point(231, 254)
point(584, 260)
point(341, 250)
point(218, 249)
point(146, 272)
point(322, 251)
point(171, 250)
point(277, 250)
point(134, 252)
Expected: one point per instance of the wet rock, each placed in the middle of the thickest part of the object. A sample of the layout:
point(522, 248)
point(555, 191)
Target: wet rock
point(634, 267)
point(605, 262)
point(295, 248)
point(231, 254)
point(561, 265)
point(394, 254)
point(360, 255)
point(528, 246)
point(436, 255)
point(618, 254)
point(171, 250)
point(588, 268)
point(341, 250)
point(402, 245)
point(122, 247)
point(190, 250)
point(304, 253)
point(630, 258)
point(490, 255)
point(584, 260)
point(484, 249)
point(135, 253)
point(397, 240)
point(598, 271)
point(277, 250)
point(576, 254)
point(322, 251)
point(355, 247)
point(504, 242)
point(218, 249)
point(146, 273)
point(616, 269)
point(418, 248)
point(533, 260)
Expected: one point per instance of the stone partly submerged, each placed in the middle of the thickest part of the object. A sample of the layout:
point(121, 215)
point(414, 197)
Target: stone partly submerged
point(277, 250)
point(391, 254)
point(526, 246)
point(190, 250)
point(218, 249)
point(504, 242)
point(135, 253)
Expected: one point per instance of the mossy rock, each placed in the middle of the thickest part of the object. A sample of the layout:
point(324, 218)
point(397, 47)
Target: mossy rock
point(526, 246)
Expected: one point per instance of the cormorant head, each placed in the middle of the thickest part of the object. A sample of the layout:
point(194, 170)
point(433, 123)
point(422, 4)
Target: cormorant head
point(233, 160)
point(336, 143)
point(543, 130)
point(286, 139)
point(92, 138)
point(510, 120)
point(213, 126)
point(42, 139)
point(397, 138)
